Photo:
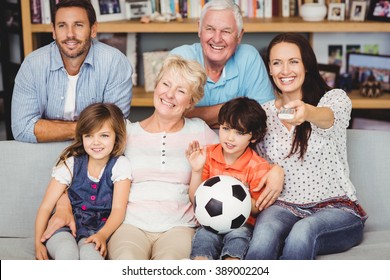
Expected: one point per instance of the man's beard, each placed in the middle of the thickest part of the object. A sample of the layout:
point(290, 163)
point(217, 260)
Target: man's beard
point(69, 54)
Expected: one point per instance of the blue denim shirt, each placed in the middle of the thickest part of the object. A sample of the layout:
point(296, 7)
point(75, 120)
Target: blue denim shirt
point(243, 75)
point(41, 86)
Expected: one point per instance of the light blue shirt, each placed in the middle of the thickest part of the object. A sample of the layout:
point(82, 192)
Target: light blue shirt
point(243, 75)
point(41, 86)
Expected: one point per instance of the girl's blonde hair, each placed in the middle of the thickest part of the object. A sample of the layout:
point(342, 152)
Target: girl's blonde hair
point(91, 119)
point(190, 70)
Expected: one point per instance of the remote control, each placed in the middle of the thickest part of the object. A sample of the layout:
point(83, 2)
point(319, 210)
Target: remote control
point(286, 113)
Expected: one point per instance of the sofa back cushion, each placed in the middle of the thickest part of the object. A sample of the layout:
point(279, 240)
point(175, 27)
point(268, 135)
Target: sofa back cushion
point(369, 164)
point(25, 170)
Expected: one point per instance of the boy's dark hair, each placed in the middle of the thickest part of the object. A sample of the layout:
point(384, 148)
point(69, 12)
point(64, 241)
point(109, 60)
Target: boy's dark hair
point(245, 115)
point(84, 4)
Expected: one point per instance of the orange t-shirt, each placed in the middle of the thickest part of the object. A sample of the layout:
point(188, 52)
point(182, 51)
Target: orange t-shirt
point(249, 169)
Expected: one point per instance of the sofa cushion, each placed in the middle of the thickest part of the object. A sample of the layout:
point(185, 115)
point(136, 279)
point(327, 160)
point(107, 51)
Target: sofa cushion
point(369, 162)
point(375, 246)
point(25, 173)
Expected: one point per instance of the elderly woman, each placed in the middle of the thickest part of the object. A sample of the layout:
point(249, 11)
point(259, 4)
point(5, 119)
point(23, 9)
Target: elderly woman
point(160, 221)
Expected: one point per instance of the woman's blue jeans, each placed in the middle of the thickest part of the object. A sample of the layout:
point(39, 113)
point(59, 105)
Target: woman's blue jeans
point(278, 234)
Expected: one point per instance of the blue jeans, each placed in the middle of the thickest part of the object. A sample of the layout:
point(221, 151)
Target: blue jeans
point(219, 246)
point(278, 234)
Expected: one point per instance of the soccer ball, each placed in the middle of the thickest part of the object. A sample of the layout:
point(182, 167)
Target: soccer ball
point(222, 203)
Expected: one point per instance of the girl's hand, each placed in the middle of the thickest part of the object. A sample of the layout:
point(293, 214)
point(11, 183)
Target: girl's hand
point(41, 252)
point(196, 156)
point(100, 242)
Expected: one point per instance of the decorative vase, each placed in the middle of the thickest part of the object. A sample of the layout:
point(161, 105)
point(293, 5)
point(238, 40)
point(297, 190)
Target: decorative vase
point(313, 11)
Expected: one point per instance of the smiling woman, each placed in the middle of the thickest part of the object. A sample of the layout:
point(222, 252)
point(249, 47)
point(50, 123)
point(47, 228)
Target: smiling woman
point(159, 208)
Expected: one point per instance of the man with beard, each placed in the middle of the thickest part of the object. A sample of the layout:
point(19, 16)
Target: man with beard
point(56, 82)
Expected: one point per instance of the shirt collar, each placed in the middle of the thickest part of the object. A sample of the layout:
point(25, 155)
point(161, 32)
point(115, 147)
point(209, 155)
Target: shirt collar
point(56, 59)
point(216, 154)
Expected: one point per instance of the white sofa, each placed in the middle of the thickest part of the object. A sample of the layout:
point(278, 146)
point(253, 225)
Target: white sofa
point(25, 171)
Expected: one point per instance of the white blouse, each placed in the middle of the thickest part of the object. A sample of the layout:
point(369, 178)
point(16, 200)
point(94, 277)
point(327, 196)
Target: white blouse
point(120, 171)
point(323, 173)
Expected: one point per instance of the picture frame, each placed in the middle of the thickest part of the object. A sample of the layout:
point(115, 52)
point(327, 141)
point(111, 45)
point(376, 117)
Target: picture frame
point(336, 11)
point(137, 9)
point(378, 11)
point(109, 10)
point(330, 73)
point(358, 11)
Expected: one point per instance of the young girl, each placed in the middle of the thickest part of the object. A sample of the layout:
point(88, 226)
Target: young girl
point(97, 179)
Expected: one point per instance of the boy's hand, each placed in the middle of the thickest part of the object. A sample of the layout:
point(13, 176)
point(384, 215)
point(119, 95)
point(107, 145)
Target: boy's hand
point(196, 156)
point(100, 242)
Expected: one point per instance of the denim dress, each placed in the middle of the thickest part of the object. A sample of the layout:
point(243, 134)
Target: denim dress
point(91, 201)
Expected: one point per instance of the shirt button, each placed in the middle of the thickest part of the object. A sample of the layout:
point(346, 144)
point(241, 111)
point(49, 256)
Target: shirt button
point(163, 162)
point(84, 207)
point(93, 197)
point(94, 186)
point(62, 98)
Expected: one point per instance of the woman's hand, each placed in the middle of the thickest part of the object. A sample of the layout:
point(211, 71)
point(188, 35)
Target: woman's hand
point(62, 217)
point(271, 185)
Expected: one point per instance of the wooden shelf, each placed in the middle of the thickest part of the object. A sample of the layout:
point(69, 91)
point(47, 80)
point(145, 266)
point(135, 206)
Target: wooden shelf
point(251, 25)
point(145, 99)
point(293, 24)
point(361, 102)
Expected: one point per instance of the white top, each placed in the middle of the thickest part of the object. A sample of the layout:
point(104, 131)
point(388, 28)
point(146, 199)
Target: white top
point(70, 101)
point(323, 173)
point(120, 171)
point(159, 198)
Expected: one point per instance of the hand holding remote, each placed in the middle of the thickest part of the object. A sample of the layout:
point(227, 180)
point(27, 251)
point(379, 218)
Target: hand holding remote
point(286, 113)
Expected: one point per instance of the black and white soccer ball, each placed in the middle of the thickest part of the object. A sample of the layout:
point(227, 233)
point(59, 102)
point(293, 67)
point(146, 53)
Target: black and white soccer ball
point(222, 203)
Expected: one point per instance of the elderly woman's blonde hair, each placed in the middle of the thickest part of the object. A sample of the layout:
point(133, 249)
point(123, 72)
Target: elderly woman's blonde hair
point(190, 70)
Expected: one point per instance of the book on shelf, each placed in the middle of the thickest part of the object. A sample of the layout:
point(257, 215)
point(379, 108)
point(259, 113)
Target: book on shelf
point(42, 11)
point(35, 9)
point(285, 8)
point(268, 8)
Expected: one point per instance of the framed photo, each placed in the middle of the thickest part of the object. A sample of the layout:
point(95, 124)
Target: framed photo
point(137, 8)
point(379, 11)
point(109, 10)
point(330, 73)
point(358, 11)
point(336, 11)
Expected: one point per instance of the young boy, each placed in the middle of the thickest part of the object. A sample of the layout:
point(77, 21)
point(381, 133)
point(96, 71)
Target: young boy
point(242, 125)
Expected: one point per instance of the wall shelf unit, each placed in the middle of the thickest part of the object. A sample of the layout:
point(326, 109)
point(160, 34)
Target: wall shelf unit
point(276, 24)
